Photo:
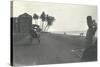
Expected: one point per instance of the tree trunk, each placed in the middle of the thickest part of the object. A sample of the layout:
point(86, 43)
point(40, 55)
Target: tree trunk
point(42, 25)
point(35, 21)
point(48, 27)
point(45, 27)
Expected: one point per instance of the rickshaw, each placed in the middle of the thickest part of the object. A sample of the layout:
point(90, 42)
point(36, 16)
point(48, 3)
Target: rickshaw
point(35, 32)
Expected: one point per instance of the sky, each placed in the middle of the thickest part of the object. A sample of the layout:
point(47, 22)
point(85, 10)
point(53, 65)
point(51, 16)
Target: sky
point(69, 17)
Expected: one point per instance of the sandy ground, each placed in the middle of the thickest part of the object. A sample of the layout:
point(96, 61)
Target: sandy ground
point(53, 48)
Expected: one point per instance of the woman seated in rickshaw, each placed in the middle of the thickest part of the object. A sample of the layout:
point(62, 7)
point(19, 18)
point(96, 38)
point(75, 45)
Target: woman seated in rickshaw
point(35, 32)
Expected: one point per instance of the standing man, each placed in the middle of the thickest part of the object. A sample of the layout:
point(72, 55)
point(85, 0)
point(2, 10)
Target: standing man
point(90, 52)
point(92, 27)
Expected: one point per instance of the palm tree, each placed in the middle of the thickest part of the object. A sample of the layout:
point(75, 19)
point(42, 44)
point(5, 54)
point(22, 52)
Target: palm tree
point(43, 18)
point(49, 20)
point(35, 17)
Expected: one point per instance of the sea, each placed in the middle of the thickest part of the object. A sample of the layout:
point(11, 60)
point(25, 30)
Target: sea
point(72, 33)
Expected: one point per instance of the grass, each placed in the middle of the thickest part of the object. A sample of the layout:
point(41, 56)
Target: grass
point(53, 48)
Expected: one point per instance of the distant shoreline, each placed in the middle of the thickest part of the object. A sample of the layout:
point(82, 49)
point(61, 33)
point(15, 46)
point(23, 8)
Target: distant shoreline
point(71, 32)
